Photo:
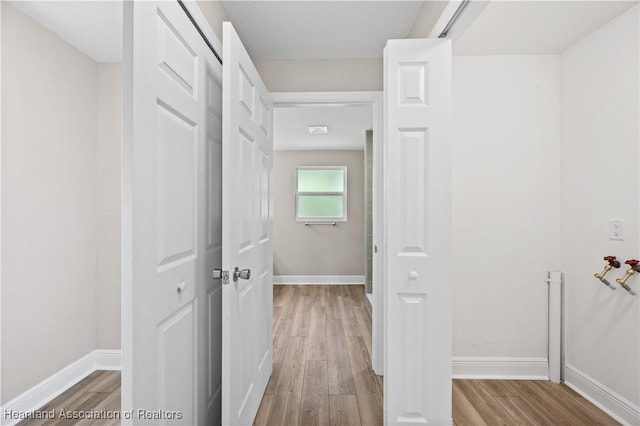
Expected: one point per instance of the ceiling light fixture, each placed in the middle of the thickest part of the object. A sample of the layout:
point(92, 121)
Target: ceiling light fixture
point(319, 129)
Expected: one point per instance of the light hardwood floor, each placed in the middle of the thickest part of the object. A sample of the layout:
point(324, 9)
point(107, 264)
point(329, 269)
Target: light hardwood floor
point(322, 363)
point(99, 392)
point(322, 376)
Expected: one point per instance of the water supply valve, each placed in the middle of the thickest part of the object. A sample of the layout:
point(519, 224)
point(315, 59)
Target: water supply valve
point(633, 268)
point(611, 263)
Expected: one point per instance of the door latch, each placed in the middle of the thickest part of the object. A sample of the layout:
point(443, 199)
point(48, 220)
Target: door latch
point(220, 274)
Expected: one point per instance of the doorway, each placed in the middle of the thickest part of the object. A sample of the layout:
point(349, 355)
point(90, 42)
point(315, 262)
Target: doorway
point(372, 100)
point(322, 328)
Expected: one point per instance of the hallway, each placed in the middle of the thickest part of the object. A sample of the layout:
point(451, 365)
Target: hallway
point(322, 359)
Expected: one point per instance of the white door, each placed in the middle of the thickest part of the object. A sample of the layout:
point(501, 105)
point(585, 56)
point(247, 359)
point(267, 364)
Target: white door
point(172, 219)
point(246, 216)
point(417, 383)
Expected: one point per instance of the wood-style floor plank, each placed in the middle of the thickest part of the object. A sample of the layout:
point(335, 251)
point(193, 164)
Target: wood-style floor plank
point(369, 395)
point(285, 405)
point(263, 411)
point(520, 402)
point(302, 316)
point(348, 316)
point(280, 339)
point(317, 350)
point(343, 410)
point(486, 406)
point(339, 366)
point(108, 382)
point(331, 302)
point(519, 408)
point(287, 300)
point(314, 409)
point(463, 412)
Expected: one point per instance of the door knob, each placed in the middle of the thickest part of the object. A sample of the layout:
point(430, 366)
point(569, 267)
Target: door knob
point(245, 274)
point(217, 274)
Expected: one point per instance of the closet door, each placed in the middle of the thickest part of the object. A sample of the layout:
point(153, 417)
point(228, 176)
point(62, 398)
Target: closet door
point(417, 91)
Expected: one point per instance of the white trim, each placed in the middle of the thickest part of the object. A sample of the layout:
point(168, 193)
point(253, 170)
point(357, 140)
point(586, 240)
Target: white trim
point(309, 99)
point(319, 279)
point(602, 397)
point(108, 359)
point(500, 368)
point(51, 387)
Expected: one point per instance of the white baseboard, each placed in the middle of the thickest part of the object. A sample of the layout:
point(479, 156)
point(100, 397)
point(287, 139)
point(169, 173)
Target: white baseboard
point(601, 396)
point(319, 279)
point(500, 368)
point(51, 387)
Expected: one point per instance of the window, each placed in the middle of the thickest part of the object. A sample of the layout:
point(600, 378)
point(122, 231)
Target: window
point(321, 193)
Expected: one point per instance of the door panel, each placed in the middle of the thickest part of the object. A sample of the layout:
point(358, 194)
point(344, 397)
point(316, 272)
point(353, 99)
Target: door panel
point(246, 216)
point(418, 232)
point(172, 221)
point(176, 189)
point(176, 339)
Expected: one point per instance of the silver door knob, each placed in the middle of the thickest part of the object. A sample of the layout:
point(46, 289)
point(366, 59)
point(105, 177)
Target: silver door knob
point(245, 274)
point(217, 274)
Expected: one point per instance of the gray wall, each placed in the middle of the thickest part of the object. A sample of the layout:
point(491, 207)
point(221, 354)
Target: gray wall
point(59, 183)
point(318, 250)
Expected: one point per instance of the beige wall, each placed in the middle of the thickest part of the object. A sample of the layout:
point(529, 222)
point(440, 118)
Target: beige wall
point(427, 18)
point(506, 202)
point(215, 14)
point(319, 250)
point(600, 151)
point(322, 75)
point(57, 190)
point(108, 206)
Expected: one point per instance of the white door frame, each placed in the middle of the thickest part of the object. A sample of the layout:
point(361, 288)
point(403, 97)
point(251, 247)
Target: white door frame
point(310, 99)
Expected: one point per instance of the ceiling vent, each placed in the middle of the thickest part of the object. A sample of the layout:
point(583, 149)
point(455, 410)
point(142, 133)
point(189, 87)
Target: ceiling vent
point(319, 129)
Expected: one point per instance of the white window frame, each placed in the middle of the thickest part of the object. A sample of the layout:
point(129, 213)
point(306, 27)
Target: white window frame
point(343, 193)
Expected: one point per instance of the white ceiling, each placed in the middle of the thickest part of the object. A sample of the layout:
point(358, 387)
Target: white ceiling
point(320, 29)
point(535, 27)
point(311, 29)
point(347, 126)
point(94, 27)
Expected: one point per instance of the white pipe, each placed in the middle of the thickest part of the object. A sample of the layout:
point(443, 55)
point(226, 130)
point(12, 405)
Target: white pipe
point(555, 325)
